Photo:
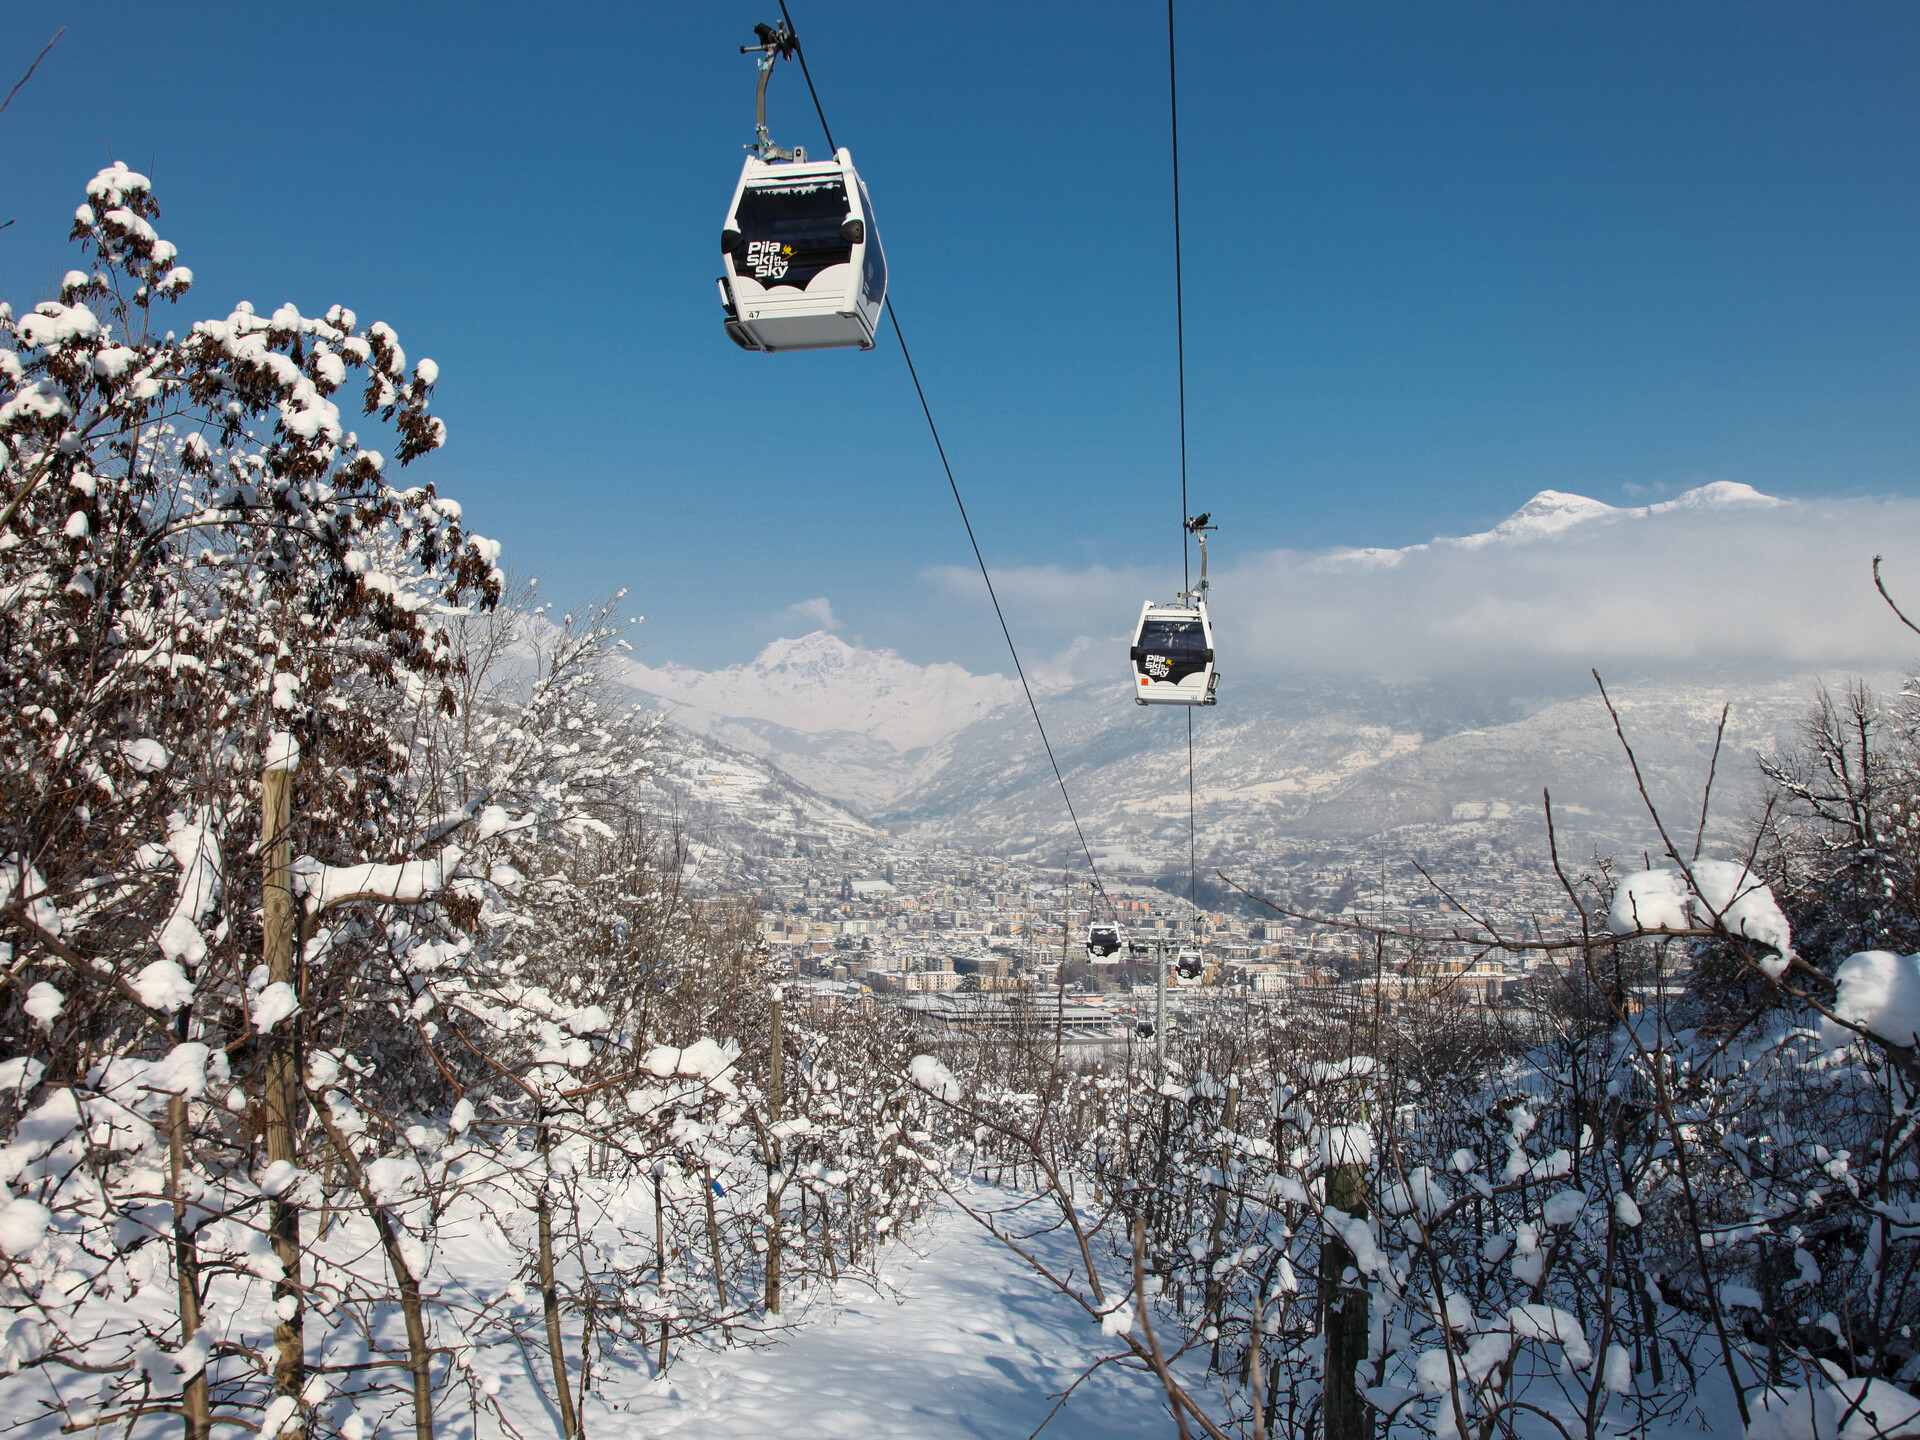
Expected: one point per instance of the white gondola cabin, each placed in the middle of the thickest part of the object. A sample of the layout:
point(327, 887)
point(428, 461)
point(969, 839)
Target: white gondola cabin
point(804, 267)
point(1103, 940)
point(1172, 655)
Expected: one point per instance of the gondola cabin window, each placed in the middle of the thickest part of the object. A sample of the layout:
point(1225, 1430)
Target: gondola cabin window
point(1172, 649)
point(790, 233)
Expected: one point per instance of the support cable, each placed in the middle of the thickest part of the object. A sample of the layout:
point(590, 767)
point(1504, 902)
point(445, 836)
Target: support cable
point(954, 485)
point(1012, 650)
point(1179, 307)
point(1193, 862)
point(1180, 353)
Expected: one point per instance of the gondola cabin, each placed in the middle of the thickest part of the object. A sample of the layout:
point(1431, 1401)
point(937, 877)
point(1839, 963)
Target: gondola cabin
point(1103, 940)
point(1172, 655)
point(804, 267)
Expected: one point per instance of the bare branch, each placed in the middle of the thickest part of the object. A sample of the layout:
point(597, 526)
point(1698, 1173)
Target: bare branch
point(1706, 794)
point(43, 55)
point(1881, 586)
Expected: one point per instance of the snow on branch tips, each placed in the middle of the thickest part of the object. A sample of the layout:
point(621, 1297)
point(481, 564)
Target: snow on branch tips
point(928, 1074)
point(1649, 900)
point(1723, 895)
point(410, 882)
point(1879, 992)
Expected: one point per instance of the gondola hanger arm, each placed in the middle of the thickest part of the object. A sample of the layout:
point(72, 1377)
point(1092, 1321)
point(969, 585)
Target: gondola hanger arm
point(1198, 527)
point(777, 42)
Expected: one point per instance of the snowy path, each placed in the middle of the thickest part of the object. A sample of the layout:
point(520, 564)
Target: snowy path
point(970, 1345)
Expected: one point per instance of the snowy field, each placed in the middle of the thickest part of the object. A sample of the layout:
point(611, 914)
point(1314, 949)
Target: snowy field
point(969, 1343)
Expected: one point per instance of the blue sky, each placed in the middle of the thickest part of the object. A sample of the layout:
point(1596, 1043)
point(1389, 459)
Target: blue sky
point(1438, 257)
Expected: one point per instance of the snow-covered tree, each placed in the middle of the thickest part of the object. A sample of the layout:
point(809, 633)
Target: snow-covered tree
point(203, 572)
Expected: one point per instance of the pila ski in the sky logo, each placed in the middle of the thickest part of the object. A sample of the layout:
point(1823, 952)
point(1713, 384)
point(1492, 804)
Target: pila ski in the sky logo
point(769, 259)
point(1158, 667)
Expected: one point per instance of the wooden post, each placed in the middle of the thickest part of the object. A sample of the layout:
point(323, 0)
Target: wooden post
point(775, 1186)
point(282, 1055)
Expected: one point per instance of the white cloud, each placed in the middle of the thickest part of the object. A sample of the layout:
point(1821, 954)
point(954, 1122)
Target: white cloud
point(1718, 582)
point(817, 612)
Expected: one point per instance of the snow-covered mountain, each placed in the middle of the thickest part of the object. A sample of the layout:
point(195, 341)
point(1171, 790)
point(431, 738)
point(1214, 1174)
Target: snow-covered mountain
point(819, 684)
point(1332, 765)
point(1554, 513)
point(937, 754)
point(1338, 763)
point(729, 803)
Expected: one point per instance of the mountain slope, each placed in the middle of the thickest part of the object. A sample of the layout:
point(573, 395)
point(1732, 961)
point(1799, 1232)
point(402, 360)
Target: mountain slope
point(1340, 764)
point(728, 803)
point(819, 684)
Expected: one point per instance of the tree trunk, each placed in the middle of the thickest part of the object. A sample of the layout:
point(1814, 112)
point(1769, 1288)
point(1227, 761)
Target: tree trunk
point(419, 1361)
point(826, 1239)
point(549, 1292)
point(282, 1080)
point(713, 1239)
point(1216, 1292)
point(1345, 1412)
point(775, 1187)
point(660, 1260)
point(419, 1358)
point(196, 1411)
point(1254, 1386)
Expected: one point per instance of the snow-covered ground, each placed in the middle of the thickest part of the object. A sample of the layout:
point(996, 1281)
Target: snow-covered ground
point(969, 1343)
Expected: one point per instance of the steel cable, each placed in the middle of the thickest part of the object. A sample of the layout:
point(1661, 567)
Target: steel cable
point(953, 485)
point(1180, 354)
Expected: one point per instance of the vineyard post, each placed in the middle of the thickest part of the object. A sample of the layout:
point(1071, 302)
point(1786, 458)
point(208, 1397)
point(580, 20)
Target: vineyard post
point(282, 1080)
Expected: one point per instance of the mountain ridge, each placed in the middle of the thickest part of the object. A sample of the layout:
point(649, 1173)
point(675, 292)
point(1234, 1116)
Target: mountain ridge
point(934, 753)
point(817, 683)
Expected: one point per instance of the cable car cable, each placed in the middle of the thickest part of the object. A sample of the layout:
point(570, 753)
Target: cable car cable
point(1180, 353)
point(808, 75)
point(1179, 304)
point(1012, 650)
point(953, 485)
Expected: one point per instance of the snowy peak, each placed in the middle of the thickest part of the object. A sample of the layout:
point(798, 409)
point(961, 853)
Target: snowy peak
point(821, 658)
point(1719, 493)
point(819, 683)
point(1554, 512)
point(1549, 513)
